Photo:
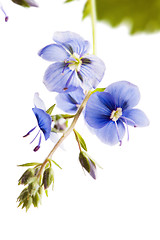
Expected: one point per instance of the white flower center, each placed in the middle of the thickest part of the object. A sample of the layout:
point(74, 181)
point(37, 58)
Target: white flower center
point(115, 115)
point(75, 64)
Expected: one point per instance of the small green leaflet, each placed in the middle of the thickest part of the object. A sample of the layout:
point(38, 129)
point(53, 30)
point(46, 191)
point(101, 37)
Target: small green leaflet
point(67, 1)
point(86, 9)
point(50, 110)
point(99, 90)
point(29, 164)
point(80, 140)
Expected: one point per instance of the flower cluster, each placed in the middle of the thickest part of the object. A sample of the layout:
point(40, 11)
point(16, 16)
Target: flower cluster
point(75, 75)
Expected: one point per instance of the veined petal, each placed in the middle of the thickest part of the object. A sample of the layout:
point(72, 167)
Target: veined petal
point(54, 53)
point(56, 78)
point(125, 94)
point(137, 116)
point(98, 109)
point(109, 135)
point(44, 121)
point(38, 102)
point(69, 102)
point(73, 42)
point(92, 71)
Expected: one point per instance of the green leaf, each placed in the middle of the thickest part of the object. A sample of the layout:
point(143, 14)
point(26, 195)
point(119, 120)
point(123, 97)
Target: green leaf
point(28, 164)
point(140, 15)
point(55, 163)
point(50, 110)
point(80, 140)
point(86, 9)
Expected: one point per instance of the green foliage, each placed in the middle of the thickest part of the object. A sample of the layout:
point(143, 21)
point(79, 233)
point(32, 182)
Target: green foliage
point(50, 110)
point(86, 9)
point(67, 1)
point(141, 15)
point(80, 140)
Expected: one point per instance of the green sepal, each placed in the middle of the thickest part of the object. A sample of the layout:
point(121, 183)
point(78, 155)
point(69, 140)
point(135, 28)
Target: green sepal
point(86, 9)
point(50, 110)
point(80, 140)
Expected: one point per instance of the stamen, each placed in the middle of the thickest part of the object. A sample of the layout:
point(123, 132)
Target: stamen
point(35, 137)
point(6, 17)
point(68, 82)
point(29, 132)
point(120, 141)
point(38, 146)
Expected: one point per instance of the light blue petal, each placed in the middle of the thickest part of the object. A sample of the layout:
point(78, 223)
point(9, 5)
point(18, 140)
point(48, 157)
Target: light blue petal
point(69, 102)
point(38, 102)
point(57, 77)
point(54, 53)
point(109, 135)
point(137, 116)
point(125, 94)
point(92, 72)
point(73, 42)
point(98, 109)
point(44, 121)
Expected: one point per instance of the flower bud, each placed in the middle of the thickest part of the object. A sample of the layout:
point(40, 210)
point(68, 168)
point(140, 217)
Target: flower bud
point(48, 177)
point(27, 203)
point(27, 175)
point(33, 187)
point(36, 199)
point(87, 163)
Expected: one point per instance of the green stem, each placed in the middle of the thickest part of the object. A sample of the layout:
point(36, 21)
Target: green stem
point(93, 20)
point(65, 134)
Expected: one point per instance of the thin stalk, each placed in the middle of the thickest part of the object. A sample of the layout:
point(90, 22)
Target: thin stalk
point(65, 134)
point(93, 21)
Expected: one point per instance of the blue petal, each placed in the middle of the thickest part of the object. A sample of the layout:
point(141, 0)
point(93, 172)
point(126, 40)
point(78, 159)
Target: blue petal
point(69, 102)
point(109, 135)
point(125, 94)
point(54, 53)
point(98, 109)
point(92, 72)
point(137, 116)
point(44, 121)
point(38, 102)
point(58, 77)
point(73, 42)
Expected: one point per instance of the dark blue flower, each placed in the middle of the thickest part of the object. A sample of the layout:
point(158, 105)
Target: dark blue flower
point(70, 101)
point(108, 112)
point(44, 121)
point(72, 67)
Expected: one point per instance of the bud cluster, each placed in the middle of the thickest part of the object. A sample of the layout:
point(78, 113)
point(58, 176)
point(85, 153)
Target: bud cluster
point(35, 184)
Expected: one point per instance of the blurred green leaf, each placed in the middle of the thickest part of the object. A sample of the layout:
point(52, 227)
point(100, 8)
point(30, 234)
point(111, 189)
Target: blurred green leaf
point(67, 1)
point(26, 3)
point(86, 9)
point(140, 15)
point(80, 140)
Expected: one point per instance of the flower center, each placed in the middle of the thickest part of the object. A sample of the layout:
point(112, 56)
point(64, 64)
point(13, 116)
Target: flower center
point(75, 62)
point(115, 115)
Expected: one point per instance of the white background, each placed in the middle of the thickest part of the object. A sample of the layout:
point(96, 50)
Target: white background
point(124, 201)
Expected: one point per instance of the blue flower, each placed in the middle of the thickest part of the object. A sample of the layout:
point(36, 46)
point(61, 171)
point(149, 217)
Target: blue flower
point(72, 67)
point(44, 121)
point(108, 112)
point(70, 101)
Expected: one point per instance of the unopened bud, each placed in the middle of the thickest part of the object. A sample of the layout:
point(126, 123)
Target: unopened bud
point(48, 177)
point(27, 175)
point(87, 163)
point(36, 199)
point(33, 187)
